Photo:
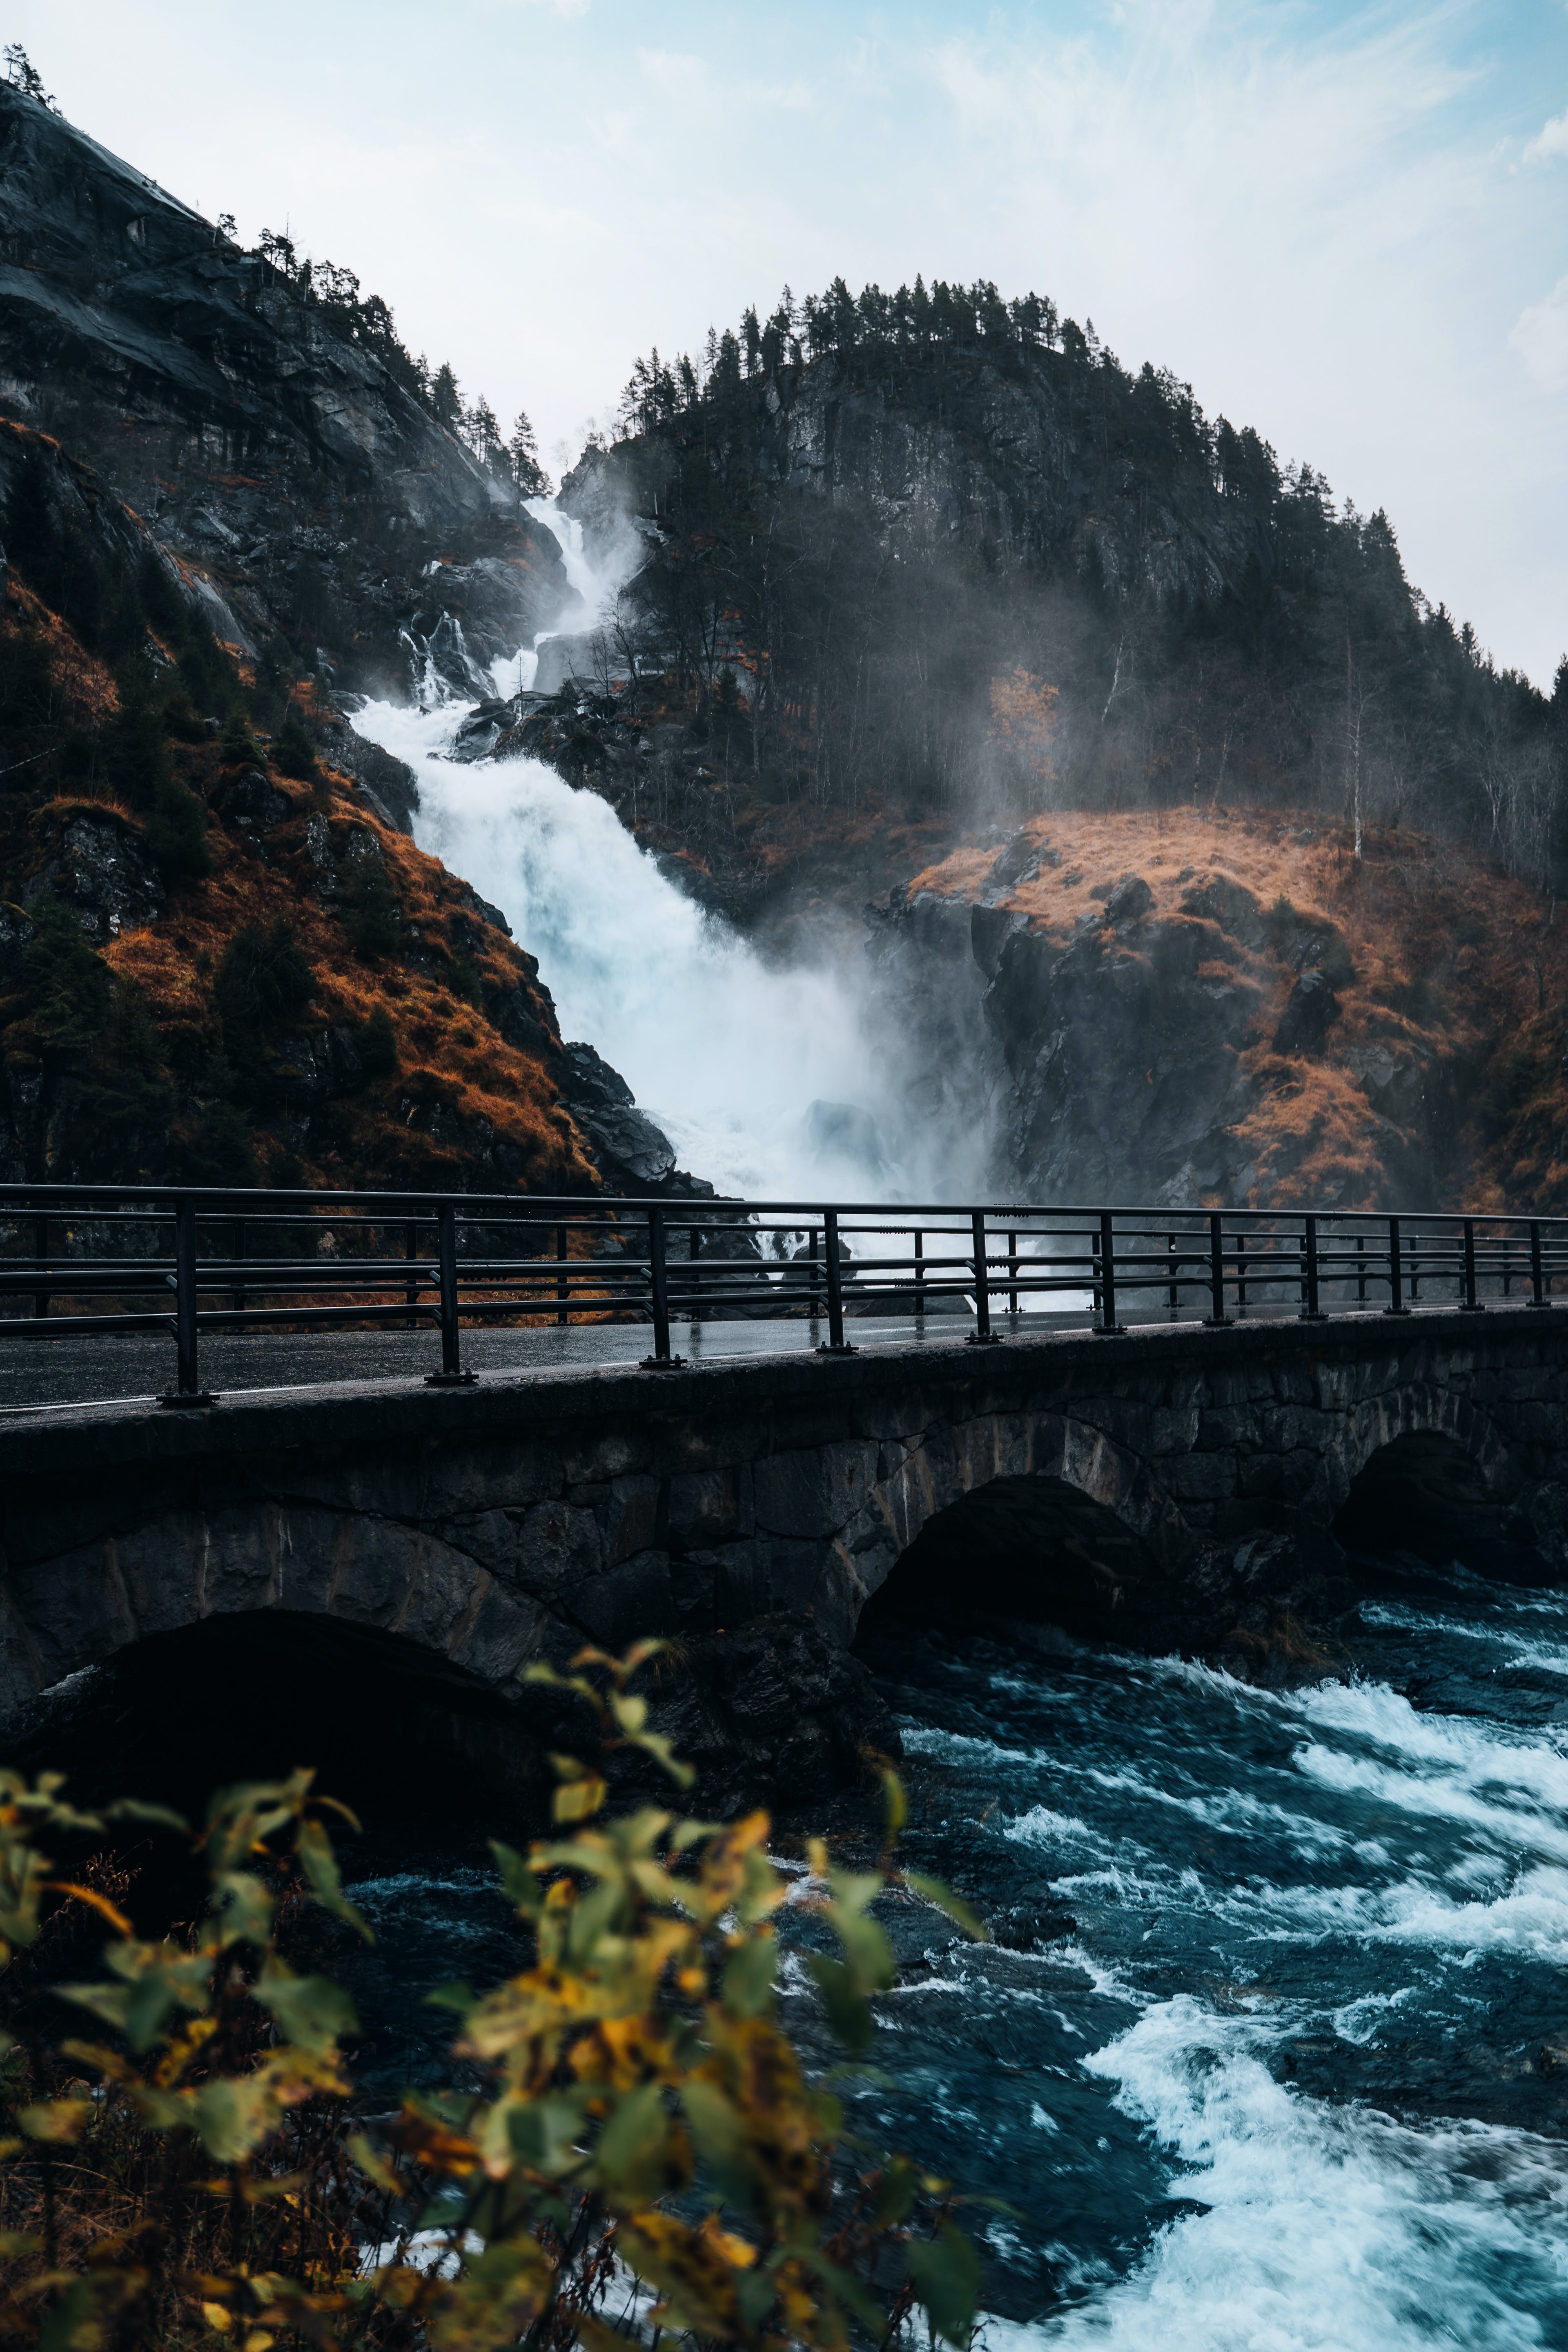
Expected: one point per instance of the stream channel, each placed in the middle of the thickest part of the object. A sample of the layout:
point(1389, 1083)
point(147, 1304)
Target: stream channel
point(1270, 2049)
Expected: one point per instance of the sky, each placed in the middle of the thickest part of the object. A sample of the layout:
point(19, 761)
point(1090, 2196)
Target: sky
point(1344, 225)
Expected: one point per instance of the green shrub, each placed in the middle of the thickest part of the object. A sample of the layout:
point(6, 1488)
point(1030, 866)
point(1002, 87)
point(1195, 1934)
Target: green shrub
point(238, 748)
point(264, 983)
point(466, 980)
point(1335, 963)
point(370, 910)
point(27, 679)
point(138, 754)
point(187, 2163)
point(68, 980)
point(377, 1044)
point(126, 1097)
point(180, 718)
point(176, 831)
point(218, 1147)
point(293, 748)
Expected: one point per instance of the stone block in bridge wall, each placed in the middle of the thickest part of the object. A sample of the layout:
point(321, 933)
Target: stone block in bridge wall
point(521, 1516)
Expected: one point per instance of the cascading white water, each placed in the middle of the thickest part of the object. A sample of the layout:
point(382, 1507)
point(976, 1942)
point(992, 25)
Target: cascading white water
point(726, 1051)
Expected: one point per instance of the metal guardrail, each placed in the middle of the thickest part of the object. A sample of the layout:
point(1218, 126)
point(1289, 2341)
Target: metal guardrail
point(76, 1259)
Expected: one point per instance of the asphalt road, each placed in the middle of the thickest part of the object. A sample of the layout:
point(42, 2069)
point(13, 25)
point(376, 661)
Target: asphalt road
point(37, 1374)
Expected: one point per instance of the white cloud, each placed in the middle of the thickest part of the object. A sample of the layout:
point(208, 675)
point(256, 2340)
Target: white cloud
point(1540, 339)
point(1550, 140)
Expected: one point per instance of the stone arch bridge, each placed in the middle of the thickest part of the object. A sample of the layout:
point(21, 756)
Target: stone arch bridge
point(1163, 1485)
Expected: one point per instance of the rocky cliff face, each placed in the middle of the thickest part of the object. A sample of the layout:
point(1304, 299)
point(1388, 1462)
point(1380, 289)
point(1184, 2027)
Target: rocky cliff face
point(1209, 1010)
point(302, 489)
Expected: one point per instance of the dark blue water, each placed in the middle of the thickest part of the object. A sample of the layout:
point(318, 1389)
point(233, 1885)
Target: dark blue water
point(1274, 2053)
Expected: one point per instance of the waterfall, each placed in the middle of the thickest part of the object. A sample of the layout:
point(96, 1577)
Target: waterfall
point(727, 1051)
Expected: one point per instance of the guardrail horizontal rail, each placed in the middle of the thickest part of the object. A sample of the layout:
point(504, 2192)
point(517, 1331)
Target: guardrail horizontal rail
point(347, 1257)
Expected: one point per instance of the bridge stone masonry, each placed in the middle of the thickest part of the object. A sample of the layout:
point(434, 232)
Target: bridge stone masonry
point(1174, 1487)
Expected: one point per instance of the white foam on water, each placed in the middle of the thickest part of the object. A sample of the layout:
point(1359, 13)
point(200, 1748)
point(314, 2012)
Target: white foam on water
point(1329, 2229)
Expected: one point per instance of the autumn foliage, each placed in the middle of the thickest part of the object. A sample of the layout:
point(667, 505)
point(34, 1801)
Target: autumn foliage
point(635, 2143)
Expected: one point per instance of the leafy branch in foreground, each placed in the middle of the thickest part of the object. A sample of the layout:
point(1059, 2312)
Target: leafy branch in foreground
point(634, 2146)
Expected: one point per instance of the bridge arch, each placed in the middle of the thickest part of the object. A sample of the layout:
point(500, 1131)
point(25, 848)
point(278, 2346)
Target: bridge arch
point(1037, 1515)
point(1415, 1429)
point(384, 1720)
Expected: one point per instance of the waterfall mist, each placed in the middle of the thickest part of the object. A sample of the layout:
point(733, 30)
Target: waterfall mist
point(728, 1051)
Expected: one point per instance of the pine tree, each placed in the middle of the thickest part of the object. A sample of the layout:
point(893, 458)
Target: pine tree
point(484, 435)
point(530, 475)
point(446, 399)
point(23, 75)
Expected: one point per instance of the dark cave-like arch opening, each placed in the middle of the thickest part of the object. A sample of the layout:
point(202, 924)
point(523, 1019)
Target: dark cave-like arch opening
point(1424, 1493)
point(1030, 1549)
point(386, 1723)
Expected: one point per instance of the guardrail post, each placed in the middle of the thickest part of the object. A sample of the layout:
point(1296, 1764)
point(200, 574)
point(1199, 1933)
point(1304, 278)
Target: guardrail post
point(1537, 1281)
point(982, 1336)
point(411, 1289)
point(1173, 1295)
point(1217, 1318)
point(1312, 1312)
point(240, 1293)
point(1108, 1328)
point(835, 1344)
point(41, 1256)
point(661, 1361)
point(1471, 1304)
point(1396, 1272)
point(562, 1283)
point(1012, 1274)
point(182, 1282)
point(451, 1375)
point(920, 1274)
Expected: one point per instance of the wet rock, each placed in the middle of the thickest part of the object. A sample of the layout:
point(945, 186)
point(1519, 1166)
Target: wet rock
point(990, 929)
point(103, 871)
point(1026, 1926)
point(387, 783)
point(1312, 1008)
point(770, 1712)
point(483, 729)
point(1230, 905)
point(469, 898)
point(1019, 863)
point(255, 803)
point(633, 1151)
point(1127, 901)
point(1123, 1058)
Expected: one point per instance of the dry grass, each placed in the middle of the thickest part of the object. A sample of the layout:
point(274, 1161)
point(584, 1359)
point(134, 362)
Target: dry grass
point(456, 1071)
point(1454, 962)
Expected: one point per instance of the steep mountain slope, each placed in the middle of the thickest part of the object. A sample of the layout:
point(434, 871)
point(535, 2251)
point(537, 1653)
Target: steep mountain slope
point(939, 553)
point(220, 959)
point(258, 421)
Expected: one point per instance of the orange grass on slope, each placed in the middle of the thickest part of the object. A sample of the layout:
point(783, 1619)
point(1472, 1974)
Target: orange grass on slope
point(460, 1086)
point(1455, 964)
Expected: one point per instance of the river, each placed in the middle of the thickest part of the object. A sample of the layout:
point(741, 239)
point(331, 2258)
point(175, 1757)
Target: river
point(1269, 2051)
point(1265, 2054)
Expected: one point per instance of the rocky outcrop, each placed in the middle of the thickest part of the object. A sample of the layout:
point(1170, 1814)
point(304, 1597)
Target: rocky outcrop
point(99, 864)
point(1124, 1054)
point(1305, 1026)
point(631, 1149)
point(298, 485)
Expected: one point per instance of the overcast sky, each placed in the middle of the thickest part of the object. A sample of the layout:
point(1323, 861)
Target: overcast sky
point(1346, 225)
